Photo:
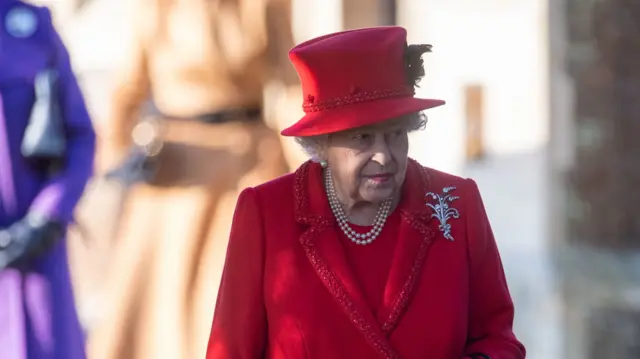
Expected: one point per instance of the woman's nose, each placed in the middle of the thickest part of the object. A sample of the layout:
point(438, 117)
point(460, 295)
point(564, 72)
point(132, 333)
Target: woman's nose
point(382, 153)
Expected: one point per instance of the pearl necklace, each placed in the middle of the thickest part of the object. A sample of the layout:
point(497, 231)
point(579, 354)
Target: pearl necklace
point(343, 222)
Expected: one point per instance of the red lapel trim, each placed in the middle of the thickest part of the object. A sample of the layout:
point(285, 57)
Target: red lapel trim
point(414, 239)
point(414, 236)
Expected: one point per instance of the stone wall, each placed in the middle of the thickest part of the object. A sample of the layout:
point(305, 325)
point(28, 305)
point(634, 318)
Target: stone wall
point(598, 212)
point(604, 62)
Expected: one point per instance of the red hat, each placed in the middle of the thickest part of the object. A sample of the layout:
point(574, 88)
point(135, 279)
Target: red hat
point(352, 79)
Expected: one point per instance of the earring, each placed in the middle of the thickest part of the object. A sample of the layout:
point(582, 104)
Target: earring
point(324, 164)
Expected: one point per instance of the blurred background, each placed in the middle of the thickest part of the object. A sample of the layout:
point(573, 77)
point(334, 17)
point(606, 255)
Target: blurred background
point(541, 111)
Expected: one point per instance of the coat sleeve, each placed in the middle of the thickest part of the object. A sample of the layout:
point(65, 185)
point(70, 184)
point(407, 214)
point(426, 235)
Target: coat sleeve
point(132, 88)
point(491, 307)
point(239, 329)
point(61, 194)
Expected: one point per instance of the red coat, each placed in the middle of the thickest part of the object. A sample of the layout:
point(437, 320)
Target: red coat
point(287, 291)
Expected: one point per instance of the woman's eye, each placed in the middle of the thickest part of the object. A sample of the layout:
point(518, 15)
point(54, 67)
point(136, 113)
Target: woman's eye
point(397, 133)
point(361, 137)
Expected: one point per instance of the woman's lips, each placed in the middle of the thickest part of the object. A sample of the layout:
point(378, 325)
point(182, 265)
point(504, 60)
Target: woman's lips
point(380, 178)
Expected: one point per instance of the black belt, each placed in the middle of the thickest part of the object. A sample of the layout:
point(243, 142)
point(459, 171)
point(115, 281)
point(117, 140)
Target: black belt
point(248, 114)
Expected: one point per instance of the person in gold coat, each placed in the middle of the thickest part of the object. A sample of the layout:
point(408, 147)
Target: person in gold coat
point(205, 65)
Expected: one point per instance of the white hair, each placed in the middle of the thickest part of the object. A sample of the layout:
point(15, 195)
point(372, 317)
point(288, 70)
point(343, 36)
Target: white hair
point(311, 145)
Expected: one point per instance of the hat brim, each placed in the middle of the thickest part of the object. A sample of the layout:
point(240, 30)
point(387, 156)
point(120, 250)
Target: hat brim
point(357, 115)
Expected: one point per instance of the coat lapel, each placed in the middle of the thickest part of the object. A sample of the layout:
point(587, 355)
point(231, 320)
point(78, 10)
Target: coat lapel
point(414, 238)
point(320, 242)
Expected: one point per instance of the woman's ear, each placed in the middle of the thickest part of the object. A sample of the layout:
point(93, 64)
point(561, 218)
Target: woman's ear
point(322, 146)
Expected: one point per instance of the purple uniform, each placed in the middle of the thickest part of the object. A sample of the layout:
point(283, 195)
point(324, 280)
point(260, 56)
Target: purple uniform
point(37, 310)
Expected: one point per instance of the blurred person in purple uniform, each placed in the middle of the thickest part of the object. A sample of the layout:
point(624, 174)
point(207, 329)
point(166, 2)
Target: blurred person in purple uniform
point(46, 158)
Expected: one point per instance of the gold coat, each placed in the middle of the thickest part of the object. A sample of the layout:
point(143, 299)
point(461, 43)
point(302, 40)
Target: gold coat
point(192, 57)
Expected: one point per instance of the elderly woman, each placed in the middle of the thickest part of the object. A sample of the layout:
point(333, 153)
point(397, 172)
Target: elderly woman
point(362, 252)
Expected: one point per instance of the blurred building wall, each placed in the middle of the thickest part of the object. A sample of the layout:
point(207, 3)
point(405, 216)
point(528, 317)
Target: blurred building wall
point(312, 18)
point(594, 170)
point(499, 45)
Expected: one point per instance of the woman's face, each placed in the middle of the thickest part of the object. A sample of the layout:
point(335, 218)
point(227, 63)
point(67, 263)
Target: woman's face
point(368, 164)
